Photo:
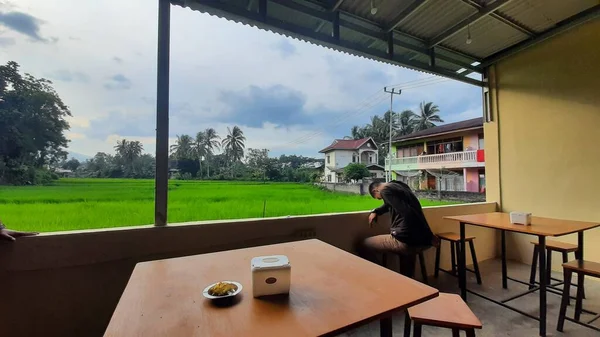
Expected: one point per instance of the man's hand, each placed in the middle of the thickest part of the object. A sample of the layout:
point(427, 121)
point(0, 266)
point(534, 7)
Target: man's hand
point(10, 235)
point(372, 219)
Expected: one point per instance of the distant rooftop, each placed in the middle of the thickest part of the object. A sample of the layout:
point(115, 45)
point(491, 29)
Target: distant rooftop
point(442, 129)
point(346, 144)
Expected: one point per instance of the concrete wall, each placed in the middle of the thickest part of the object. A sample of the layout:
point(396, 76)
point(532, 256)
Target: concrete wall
point(68, 284)
point(343, 158)
point(542, 148)
point(347, 188)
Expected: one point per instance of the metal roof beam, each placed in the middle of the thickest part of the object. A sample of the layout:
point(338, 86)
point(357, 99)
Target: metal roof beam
point(574, 21)
point(308, 34)
point(405, 14)
point(335, 4)
point(397, 32)
point(380, 36)
point(484, 11)
point(502, 18)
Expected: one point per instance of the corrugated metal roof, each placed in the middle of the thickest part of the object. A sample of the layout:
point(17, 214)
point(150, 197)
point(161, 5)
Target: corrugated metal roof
point(540, 15)
point(387, 10)
point(434, 17)
point(364, 34)
point(488, 36)
point(441, 129)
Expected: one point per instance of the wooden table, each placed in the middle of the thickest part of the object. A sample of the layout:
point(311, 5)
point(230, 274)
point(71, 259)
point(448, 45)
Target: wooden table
point(540, 227)
point(332, 291)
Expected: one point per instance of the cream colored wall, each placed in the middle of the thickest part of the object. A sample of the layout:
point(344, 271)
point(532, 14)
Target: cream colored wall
point(471, 140)
point(548, 105)
point(68, 284)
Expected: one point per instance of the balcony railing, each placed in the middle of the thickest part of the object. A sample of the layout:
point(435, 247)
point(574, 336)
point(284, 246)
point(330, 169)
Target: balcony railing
point(434, 160)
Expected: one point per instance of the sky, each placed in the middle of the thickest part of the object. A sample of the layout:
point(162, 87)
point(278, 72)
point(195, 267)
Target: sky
point(286, 95)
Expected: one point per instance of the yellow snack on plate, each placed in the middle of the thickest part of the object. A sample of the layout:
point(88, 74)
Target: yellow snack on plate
point(222, 289)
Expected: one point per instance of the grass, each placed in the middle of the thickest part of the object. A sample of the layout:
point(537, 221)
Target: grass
point(73, 204)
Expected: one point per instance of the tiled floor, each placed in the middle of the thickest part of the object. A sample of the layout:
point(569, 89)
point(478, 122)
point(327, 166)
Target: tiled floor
point(498, 321)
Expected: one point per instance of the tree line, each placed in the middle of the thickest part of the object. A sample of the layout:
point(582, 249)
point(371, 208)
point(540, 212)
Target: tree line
point(33, 122)
point(196, 158)
point(403, 123)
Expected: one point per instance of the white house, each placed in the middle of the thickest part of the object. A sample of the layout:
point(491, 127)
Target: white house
point(343, 152)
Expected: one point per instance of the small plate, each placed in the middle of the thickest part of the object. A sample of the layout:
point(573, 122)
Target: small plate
point(209, 296)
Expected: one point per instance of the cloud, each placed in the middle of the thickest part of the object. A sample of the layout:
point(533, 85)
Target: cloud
point(287, 95)
point(276, 104)
point(122, 123)
point(69, 76)
point(22, 23)
point(6, 41)
point(285, 48)
point(118, 82)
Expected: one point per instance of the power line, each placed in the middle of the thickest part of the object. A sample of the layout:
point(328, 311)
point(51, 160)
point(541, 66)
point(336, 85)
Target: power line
point(373, 100)
point(370, 102)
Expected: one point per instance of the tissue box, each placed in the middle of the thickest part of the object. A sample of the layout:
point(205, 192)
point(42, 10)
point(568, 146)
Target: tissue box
point(271, 275)
point(520, 218)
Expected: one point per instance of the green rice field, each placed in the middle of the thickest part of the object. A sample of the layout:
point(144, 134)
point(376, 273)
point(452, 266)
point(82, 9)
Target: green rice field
point(74, 204)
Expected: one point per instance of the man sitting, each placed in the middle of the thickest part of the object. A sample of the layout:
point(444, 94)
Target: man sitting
point(409, 230)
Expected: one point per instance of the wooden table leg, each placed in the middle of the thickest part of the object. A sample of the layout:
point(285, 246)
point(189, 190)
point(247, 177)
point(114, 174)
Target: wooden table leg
point(462, 264)
point(418, 328)
point(543, 275)
point(407, 325)
point(385, 327)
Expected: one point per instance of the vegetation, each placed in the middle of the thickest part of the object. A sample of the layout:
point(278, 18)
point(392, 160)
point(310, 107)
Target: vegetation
point(32, 126)
point(72, 204)
point(356, 171)
point(403, 123)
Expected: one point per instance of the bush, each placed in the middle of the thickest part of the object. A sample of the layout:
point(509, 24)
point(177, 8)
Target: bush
point(43, 177)
point(183, 176)
point(356, 171)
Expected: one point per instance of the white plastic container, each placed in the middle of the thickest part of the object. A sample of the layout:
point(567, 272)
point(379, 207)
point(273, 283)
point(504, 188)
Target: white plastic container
point(520, 218)
point(271, 275)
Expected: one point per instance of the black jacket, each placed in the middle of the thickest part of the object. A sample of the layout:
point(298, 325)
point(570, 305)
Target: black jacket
point(408, 223)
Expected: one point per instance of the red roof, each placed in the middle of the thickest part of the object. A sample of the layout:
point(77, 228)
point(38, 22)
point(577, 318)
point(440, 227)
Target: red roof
point(345, 144)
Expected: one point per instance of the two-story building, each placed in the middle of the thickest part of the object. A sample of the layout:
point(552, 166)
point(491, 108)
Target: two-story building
point(344, 151)
point(448, 157)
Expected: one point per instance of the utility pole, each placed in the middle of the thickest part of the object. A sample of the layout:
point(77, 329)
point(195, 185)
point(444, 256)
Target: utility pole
point(392, 93)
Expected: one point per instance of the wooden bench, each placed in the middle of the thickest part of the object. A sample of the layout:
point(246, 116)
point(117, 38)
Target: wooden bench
point(551, 246)
point(445, 311)
point(582, 269)
point(454, 239)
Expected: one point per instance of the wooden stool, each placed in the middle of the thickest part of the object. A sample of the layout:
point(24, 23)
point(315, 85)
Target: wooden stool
point(445, 311)
point(552, 246)
point(407, 265)
point(582, 269)
point(454, 240)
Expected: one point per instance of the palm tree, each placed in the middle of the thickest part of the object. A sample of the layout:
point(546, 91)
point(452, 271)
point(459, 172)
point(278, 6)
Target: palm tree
point(405, 123)
point(134, 150)
point(129, 151)
point(121, 147)
point(182, 149)
point(428, 116)
point(211, 143)
point(233, 145)
point(357, 133)
point(199, 150)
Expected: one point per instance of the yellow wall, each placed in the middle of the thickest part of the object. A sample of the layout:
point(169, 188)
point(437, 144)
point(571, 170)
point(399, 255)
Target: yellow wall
point(547, 108)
